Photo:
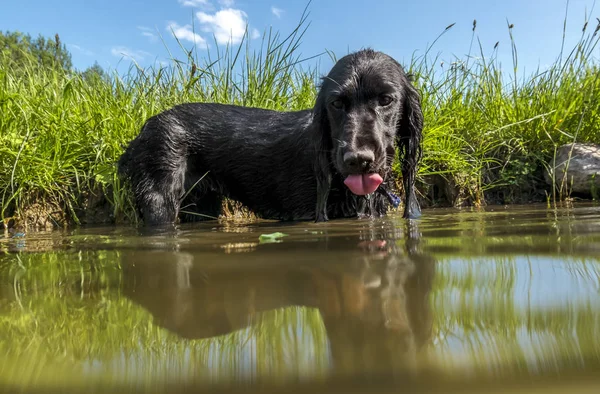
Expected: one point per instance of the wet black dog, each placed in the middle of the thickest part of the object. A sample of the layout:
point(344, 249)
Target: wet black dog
point(329, 162)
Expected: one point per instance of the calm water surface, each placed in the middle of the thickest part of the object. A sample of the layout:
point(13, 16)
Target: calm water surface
point(505, 299)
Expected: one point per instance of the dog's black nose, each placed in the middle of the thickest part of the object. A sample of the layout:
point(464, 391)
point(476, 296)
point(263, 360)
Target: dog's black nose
point(358, 161)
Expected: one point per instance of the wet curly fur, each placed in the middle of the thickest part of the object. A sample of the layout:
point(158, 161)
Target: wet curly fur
point(283, 165)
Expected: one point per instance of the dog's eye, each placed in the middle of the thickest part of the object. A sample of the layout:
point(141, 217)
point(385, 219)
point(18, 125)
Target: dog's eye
point(385, 100)
point(337, 104)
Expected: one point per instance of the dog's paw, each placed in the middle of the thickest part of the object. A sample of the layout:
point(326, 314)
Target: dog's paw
point(321, 218)
point(412, 215)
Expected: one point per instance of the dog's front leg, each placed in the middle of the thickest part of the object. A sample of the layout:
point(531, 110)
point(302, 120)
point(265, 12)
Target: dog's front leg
point(323, 186)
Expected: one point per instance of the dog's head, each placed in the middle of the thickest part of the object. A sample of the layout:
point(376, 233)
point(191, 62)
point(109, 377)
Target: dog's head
point(366, 107)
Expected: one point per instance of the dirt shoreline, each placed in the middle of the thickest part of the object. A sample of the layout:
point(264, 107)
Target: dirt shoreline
point(96, 209)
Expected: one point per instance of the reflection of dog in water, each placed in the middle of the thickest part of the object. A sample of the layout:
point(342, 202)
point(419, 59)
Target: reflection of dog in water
point(375, 309)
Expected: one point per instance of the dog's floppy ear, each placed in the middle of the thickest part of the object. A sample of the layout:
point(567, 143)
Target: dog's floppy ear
point(324, 143)
point(409, 135)
point(320, 118)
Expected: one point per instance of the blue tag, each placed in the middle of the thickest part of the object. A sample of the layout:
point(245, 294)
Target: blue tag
point(394, 199)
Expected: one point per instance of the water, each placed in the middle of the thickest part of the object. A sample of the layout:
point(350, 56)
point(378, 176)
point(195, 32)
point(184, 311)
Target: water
point(504, 299)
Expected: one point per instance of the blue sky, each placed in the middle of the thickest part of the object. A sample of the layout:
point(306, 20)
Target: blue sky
point(107, 30)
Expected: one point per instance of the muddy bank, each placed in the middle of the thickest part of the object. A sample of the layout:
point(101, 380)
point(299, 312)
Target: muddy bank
point(99, 204)
point(95, 206)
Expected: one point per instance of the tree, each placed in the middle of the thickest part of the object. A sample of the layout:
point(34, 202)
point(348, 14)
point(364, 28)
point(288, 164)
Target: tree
point(20, 49)
point(94, 73)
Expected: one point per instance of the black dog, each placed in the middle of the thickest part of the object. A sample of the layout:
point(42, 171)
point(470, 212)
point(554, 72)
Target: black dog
point(329, 162)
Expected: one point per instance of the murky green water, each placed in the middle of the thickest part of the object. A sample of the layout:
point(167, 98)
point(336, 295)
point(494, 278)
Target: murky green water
point(454, 301)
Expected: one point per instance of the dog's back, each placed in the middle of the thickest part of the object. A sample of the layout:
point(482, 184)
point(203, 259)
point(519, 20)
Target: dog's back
point(234, 150)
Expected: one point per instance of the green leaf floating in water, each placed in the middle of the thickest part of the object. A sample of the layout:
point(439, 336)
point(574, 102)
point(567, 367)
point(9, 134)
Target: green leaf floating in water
point(273, 237)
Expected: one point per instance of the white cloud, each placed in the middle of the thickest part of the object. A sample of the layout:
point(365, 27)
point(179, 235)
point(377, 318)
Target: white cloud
point(185, 33)
point(81, 50)
point(193, 3)
point(276, 11)
point(147, 32)
point(227, 25)
point(137, 55)
point(254, 34)
point(227, 3)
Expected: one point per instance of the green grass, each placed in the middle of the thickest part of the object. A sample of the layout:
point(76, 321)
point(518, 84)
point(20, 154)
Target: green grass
point(490, 132)
point(488, 135)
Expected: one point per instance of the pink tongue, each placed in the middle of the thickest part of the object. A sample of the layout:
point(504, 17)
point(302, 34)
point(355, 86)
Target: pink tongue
point(363, 184)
